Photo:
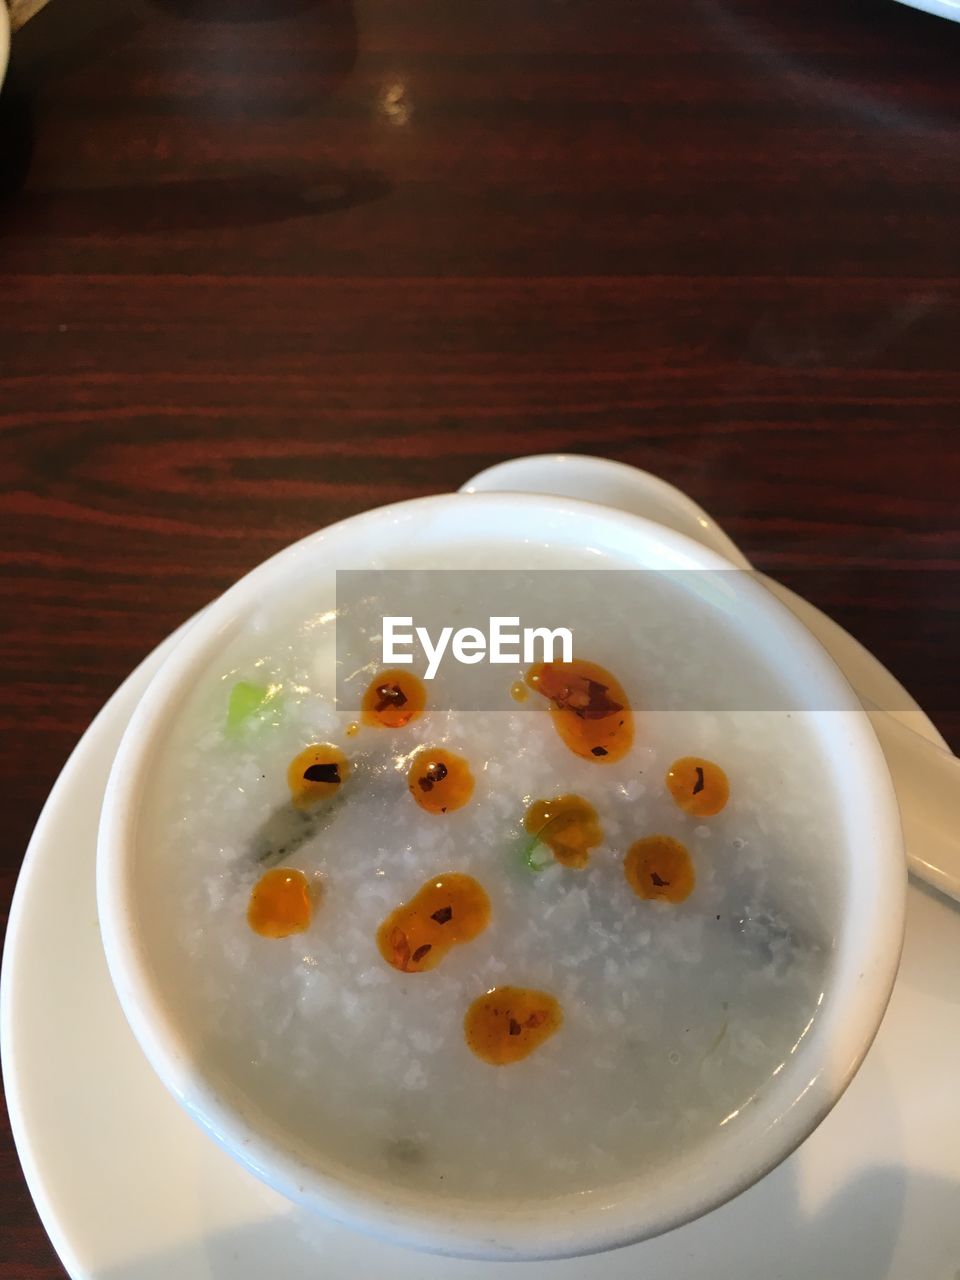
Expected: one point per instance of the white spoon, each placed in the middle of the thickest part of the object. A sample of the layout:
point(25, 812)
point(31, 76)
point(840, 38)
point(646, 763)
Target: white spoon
point(925, 773)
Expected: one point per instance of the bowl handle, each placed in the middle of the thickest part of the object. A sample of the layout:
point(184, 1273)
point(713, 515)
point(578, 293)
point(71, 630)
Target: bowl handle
point(612, 484)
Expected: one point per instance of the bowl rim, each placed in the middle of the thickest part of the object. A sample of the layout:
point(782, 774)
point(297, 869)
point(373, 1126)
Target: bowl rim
point(779, 1118)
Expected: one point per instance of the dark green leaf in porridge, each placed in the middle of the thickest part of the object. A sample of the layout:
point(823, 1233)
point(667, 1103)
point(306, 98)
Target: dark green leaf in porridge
point(405, 1151)
point(282, 834)
point(288, 828)
point(316, 779)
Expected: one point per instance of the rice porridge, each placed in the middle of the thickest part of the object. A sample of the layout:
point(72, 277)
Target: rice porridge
point(506, 951)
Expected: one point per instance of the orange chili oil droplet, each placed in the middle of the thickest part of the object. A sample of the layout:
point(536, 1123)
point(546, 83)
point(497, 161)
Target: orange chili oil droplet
point(590, 709)
point(439, 781)
point(569, 827)
point(699, 787)
point(659, 867)
point(447, 911)
point(519, 691)
point(280, 904)
point(353, 729)
point(317, 773)
point(393, 699)
point(506, 1024)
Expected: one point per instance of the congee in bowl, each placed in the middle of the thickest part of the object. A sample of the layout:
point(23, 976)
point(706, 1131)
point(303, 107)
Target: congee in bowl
point(537, 942)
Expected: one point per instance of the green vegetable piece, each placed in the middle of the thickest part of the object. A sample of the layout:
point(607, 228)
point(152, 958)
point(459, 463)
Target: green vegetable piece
point(248, 700)
point(532, 861)
point(535, 858)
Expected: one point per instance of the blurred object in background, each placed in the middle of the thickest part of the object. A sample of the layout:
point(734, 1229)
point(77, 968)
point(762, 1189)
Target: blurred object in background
point(22, 11)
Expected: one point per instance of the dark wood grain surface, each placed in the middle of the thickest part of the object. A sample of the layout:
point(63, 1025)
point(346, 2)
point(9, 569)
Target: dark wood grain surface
point(265, 263)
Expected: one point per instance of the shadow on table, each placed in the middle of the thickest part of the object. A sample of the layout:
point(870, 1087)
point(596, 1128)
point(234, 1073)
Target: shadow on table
point(69, 35)
point(886, 63)
point(16, 135)
point(237, 10)
point(62, 38)
point(194, 204)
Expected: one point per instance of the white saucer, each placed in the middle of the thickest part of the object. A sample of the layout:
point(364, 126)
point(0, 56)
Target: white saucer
point(129, 1189)
point(941, 8)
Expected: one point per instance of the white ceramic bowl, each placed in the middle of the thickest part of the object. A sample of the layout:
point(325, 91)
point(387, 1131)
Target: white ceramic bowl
point(791, 1105)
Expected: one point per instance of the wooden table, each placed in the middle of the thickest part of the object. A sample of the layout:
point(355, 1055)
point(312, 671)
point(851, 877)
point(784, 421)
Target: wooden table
point(265, 263)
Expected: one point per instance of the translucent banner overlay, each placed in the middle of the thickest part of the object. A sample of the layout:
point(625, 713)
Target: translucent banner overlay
point(690, 640)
